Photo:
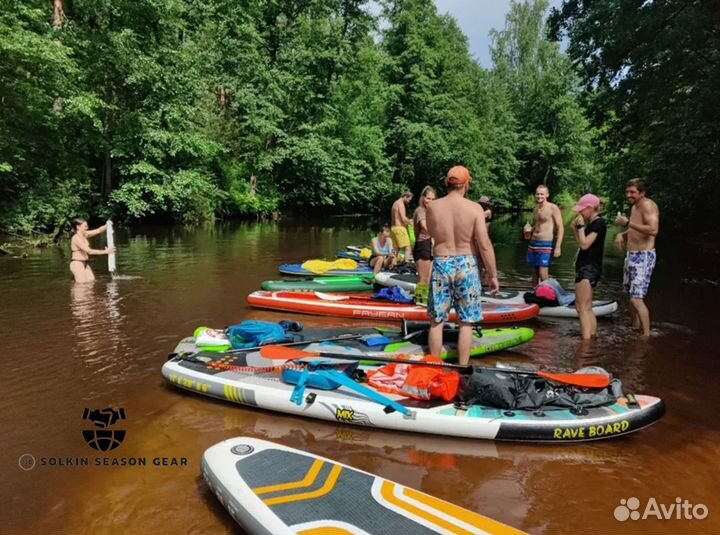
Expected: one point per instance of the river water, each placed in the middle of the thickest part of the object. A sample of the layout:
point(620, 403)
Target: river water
point(69, 347)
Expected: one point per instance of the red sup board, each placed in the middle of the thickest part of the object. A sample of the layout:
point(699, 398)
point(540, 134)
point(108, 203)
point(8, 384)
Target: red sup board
point(363, 307)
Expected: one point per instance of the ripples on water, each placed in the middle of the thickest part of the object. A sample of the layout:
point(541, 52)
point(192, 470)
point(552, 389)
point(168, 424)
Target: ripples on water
point(69, 346)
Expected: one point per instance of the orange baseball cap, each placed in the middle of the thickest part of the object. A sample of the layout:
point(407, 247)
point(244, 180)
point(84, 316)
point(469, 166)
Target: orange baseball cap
point(458, 176)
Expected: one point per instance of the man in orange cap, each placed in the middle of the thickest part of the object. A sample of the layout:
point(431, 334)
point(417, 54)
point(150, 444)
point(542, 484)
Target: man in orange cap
point(458, 227)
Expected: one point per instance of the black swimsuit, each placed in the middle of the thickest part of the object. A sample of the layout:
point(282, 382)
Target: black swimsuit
point(85, 262)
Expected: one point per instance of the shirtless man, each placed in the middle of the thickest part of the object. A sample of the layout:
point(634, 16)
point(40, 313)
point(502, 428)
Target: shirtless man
point(547, 222)
point(400, 221)
point(639, 241)
point(458, 227)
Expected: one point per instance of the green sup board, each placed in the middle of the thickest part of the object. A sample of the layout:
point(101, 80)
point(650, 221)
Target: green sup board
point(350, 283)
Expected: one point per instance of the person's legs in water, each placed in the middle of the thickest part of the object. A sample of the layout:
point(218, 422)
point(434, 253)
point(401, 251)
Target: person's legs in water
point(77, 268)
point(81, 271)
point(641, 315)
point(639, 266)
point(583, 304)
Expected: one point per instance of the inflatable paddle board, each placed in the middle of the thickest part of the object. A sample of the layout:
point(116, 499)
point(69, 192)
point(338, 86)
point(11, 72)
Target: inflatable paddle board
point(408, 282)
point(394, 343)
point(352, 283)
point(364, 307)
point(271, 489)
point(252, 381)
point(297, 269)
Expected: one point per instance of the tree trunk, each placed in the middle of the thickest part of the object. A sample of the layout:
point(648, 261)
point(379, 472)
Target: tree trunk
point(253, 185)
point(58, 14)
point(224, 97)
point(106, 182)
point(107, 174)
point(58, 17)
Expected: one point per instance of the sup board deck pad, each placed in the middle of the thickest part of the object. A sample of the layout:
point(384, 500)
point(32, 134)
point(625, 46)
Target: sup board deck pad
point(269, 488)
point(209, 375)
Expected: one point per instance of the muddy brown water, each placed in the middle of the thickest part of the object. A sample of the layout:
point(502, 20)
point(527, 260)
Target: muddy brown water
point(67, 347)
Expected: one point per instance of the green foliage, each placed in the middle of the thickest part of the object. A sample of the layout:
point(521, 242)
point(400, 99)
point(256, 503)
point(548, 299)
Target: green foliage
point(189, 111)
point(652, 83)
point(554, 137)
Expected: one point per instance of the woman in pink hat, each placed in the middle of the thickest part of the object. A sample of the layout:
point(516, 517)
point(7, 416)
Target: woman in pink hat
point(590, 230)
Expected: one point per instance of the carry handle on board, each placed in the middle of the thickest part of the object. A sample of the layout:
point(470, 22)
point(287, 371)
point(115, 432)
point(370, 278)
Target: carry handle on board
point(585, 380)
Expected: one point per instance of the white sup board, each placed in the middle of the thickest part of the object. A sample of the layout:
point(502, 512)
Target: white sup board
point(271, 489)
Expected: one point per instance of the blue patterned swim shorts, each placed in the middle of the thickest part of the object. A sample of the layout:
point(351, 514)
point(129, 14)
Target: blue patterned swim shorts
point(539, 253)
point(455, 284)
point(639, 267)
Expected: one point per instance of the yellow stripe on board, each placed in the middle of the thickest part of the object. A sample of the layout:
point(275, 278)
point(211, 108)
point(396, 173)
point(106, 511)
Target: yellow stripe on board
point(326, 531)
point(469, 517)
point(308, 480)
point(387, 491)
point(322, 491)
point(233, 393)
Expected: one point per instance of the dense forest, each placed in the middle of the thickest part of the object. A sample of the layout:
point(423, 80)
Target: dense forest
point(192, 110)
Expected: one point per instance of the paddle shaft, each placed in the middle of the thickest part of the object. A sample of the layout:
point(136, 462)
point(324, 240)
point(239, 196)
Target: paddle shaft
point(594, 380)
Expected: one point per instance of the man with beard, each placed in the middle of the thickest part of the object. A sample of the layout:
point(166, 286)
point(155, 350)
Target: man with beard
point(639, 241)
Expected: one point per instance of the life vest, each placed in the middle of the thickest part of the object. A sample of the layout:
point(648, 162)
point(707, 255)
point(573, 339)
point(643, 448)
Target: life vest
point(415, 380)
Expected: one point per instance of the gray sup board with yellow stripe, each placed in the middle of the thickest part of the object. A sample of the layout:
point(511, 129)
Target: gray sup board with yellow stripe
point(271, 489)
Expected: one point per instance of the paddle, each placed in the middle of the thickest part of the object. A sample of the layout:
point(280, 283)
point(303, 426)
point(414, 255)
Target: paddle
point(586, 380)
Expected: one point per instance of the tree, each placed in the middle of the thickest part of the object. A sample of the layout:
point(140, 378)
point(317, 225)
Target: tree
point(652, 79)
point(554, 137)
point(40, 183)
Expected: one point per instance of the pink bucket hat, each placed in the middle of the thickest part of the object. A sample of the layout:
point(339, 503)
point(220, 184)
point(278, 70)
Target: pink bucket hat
point(587, 201)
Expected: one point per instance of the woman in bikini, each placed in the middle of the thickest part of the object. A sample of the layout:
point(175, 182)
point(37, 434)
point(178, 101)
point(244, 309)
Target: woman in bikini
point(81, 251)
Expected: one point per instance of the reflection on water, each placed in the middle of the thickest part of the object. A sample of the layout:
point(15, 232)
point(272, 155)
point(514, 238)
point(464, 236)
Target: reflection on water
point(66, 347)
point(97, 328)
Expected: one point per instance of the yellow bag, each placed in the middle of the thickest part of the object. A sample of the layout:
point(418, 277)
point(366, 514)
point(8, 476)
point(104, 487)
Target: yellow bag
point(323, 266)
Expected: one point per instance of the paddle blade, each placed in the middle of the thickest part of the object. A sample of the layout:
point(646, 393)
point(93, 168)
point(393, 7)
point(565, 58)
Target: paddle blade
point(587, 380)
point(284, 353)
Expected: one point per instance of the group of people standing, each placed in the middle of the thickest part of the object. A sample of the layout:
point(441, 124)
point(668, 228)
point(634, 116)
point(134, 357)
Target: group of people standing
point(453, 244)
point(590, 229)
